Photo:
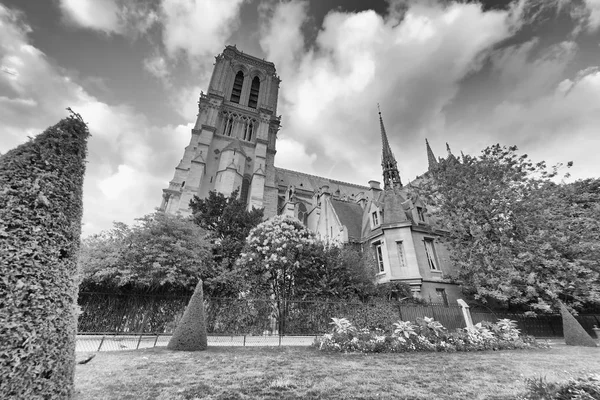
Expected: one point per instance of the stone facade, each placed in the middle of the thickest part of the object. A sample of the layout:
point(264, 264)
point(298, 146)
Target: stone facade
point(233, 147)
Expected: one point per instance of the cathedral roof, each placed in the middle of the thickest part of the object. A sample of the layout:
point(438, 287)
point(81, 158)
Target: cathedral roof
point(312, 183)
point(350, 215)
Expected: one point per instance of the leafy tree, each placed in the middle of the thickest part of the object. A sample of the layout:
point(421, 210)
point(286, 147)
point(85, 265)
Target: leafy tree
point(336, 273)
point(41, 185)
point(228, 222)
point(513, 234)
point(162, 253)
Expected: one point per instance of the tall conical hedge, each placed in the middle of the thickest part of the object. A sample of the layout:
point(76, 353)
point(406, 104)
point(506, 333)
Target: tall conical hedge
point(190, 334)
point(40, 224)
point(573, 332)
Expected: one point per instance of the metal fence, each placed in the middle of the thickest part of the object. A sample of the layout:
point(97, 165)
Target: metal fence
point(139, 320)
point(150, 314)
point(110, 341)
point(543, 325)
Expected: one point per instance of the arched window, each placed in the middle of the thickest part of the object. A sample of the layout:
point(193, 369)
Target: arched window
point(245, 188)
point(248, 130)
point(302, 213)
point(228, 126)
point(236, 92)
point(254, 89)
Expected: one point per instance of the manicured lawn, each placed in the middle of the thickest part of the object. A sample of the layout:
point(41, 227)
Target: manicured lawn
point(305, 373)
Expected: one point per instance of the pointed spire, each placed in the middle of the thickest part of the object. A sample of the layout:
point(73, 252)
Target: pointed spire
point(451, 156)
point(391, 176)
point(430, 157)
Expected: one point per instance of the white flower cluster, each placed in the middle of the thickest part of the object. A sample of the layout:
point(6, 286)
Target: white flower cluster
point(275, 241)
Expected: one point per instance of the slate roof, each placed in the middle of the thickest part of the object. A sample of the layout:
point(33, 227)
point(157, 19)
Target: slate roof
point(350, 215)
point(286, 177)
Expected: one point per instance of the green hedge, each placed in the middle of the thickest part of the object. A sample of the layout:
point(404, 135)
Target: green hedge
point(40, 224)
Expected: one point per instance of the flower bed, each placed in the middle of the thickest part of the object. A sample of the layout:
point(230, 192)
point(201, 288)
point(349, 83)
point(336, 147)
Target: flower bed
point(426, 335)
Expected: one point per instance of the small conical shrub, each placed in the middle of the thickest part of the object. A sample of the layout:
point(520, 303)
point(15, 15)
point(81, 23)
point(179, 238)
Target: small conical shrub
point(573, 332)
point(41, 185)
point(190, 334)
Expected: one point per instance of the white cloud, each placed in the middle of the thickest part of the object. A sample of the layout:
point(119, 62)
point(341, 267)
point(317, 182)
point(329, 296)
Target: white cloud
point(109, 16)
point(198, 28)
point(293, 155)
point(411, 65)
point(523, 74)
point(125, 171)
point(558, 127)
point(101, 15)
point(593, 14)
point(158, 66)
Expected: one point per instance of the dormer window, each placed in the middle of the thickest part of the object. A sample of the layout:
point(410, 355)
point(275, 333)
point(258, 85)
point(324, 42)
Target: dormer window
point(375, 218)
point(254, 89)
point(421, 214)
point(238, 83)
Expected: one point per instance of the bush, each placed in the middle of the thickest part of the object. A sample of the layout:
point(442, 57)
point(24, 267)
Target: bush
point(426, 335)
point(583, 388)
point(40, 224)
point(190, 334)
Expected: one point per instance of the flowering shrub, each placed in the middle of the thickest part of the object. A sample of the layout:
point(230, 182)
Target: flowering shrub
point(426, 335)
point(274, 255)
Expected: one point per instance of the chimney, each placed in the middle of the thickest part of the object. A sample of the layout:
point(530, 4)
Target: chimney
point(374, 185)
point(375, 188)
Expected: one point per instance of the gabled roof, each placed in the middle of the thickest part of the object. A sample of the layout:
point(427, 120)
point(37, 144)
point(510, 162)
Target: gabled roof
point(235, 145)
point(350, 215)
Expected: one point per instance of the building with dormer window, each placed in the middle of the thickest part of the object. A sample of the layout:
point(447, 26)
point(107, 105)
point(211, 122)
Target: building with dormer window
point(233, 146)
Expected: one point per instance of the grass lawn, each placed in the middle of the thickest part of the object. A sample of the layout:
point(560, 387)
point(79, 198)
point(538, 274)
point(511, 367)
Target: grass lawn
point(306, 373)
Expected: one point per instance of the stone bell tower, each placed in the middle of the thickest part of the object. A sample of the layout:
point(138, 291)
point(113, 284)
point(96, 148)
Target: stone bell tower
point(232, 145)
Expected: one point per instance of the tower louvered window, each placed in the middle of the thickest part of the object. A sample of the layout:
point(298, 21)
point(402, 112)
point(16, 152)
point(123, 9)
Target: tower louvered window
point(254, 89)
point(236, 92)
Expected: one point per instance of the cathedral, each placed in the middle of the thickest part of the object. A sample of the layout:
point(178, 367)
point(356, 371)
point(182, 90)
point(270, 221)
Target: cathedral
point(233, 147)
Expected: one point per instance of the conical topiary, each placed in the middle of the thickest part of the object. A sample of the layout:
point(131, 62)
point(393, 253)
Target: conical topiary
point(190, 334)
point(573, 332)
point(41, 206)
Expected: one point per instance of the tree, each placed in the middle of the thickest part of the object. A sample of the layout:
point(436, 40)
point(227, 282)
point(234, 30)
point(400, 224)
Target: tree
point(277, 257)
point(337, 273)
point(229, 223)
point(513, 234)
point(161, 253)
point(41, 185)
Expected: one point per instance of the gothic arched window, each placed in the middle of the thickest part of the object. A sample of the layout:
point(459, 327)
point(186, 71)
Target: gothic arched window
point(248, 130)
point(302, 214)
point(245, 188)
point(254, 89)
point(236, 92)
point(228, 126)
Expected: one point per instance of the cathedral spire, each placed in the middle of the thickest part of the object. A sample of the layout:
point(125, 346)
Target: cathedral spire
point(450, 156)
point(430, 157)
point(391, 176)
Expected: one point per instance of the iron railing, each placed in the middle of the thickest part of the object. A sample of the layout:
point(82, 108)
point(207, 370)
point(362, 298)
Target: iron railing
point(158, 315)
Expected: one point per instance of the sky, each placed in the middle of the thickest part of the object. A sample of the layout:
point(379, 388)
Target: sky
point(467, 73)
